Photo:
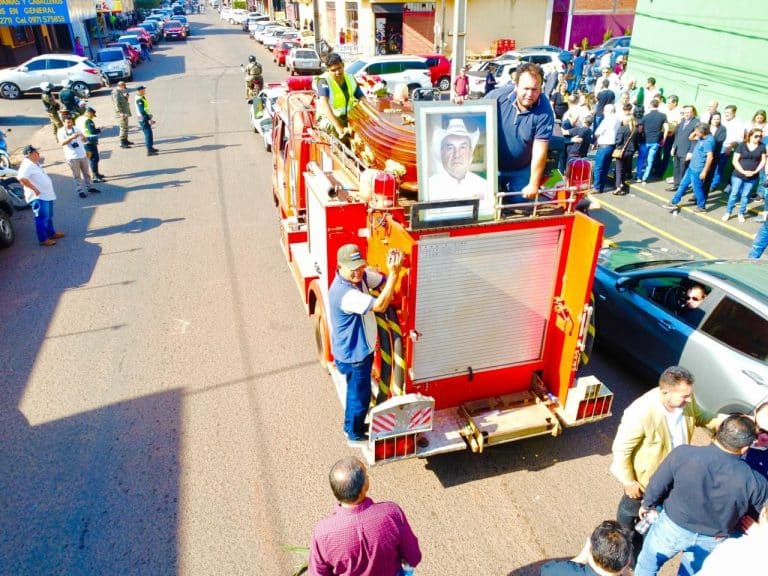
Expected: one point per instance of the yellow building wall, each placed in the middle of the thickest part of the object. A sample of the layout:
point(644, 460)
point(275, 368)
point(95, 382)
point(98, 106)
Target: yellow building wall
point(524, 21)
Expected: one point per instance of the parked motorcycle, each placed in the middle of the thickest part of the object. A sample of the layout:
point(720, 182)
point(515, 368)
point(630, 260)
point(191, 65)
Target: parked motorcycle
point(10, 183)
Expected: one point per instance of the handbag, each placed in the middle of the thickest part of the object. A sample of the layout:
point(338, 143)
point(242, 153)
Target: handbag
point(618, 153)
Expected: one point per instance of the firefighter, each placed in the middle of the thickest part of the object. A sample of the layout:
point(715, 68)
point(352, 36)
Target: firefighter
point(338, 92)
point(253, 78)
point(52, 107)
point(88, 127)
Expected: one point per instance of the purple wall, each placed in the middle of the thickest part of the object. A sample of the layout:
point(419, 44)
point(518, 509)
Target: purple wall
point(593, 26)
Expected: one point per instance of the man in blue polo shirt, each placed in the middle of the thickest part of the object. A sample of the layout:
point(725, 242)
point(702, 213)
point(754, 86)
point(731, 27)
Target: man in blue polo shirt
point(353, 328)
point(525, 124)
point(695, 175)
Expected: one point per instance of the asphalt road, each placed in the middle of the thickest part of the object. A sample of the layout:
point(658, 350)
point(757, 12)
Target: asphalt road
point(161, 408)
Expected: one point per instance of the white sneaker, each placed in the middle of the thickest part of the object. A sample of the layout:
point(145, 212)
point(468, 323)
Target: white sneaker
point(670, 180)
point(741, 218)
point(725, 217)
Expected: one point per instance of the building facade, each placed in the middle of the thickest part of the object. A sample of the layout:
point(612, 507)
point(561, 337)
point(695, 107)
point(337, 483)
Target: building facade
point(41, 26)
point(703, 50)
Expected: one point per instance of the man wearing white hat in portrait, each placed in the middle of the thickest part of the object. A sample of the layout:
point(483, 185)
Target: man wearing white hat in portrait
point(453, 179)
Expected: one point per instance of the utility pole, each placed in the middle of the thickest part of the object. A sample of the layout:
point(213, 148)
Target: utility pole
point(459, 45)
point(316, 25)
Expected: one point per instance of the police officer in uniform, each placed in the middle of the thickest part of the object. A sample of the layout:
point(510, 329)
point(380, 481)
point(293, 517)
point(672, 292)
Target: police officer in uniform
point(68, 99)
point(253, 77)
point(123, 111)
point(338, 93)
point(88, 127)
point(145, 120)
point(52, 107)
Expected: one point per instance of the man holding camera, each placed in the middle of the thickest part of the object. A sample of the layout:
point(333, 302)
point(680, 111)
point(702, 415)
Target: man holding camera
point(73, 141)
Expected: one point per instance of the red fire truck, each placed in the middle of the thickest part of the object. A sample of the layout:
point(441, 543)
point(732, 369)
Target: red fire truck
point(483, 339)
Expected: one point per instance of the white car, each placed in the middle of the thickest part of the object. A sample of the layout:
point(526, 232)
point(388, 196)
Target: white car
point(225, 13)
point(272, 40)
point(303, 61)
point(114, 63)
point(267, 31)
point(237, 16)
point(549, 61)
point(255, 28)
point(84, 74)
point(263, 109)
point(503, 74)
point(395, 69)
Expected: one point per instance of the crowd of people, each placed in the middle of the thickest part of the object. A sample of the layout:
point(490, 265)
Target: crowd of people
point(74, 126)
point(637, 132)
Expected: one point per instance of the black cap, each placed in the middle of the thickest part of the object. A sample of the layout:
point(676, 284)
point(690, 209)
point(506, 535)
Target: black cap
point(28, 149)
point(140, 88)
point(89, 109)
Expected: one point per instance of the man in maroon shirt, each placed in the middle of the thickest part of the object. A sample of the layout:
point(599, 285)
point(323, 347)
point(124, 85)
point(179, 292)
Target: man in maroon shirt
point(361, 537)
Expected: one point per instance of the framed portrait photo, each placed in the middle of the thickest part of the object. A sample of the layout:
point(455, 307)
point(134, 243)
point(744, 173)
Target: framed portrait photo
point(456, 156)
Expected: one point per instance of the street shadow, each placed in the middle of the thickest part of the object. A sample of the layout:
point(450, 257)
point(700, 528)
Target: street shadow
point(533, 569)
point(189, 138)
point(135, 226)
point(22, 120)
point(608, 219)
point(148, 173)
point(204, 148)
point(77, 492)
point(84, 489)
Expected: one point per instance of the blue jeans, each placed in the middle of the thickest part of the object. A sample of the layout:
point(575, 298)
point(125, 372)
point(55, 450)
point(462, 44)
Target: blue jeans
point(602, 165)
point(43, 210)
point(514, 181)
point(720, 169)
point(665, 539)
point(645, 159)
point(692, 179)
point(740, 189)
point(760, 243)
point(358, 375)
point(149, 139)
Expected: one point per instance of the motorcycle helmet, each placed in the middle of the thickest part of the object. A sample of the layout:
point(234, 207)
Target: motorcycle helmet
point(66, 84)
point(46, 86)
point(251, 58)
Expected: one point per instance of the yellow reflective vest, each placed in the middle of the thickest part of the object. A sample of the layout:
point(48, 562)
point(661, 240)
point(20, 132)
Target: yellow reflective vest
point(339, 104)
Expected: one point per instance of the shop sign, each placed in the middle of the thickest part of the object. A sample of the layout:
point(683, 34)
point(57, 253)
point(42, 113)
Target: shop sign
point(33, 12)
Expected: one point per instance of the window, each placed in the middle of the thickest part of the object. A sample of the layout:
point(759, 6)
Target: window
point(375, 69)
point(57, 64)
point(391, 67)
point(737, 326)
point(36, 65)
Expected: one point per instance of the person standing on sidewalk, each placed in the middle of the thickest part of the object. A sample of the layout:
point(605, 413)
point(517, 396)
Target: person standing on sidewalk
point(361, 537)
point(88, 127)
point(650, 428)
point(145, 120)
point(696, 174)
point(39, 194)
point(73, 141)
point(123, 111)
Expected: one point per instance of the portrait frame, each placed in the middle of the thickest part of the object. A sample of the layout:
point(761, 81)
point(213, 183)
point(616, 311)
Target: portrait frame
point(437, 177)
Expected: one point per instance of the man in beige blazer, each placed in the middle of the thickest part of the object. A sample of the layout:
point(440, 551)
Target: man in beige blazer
point(652, 425)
